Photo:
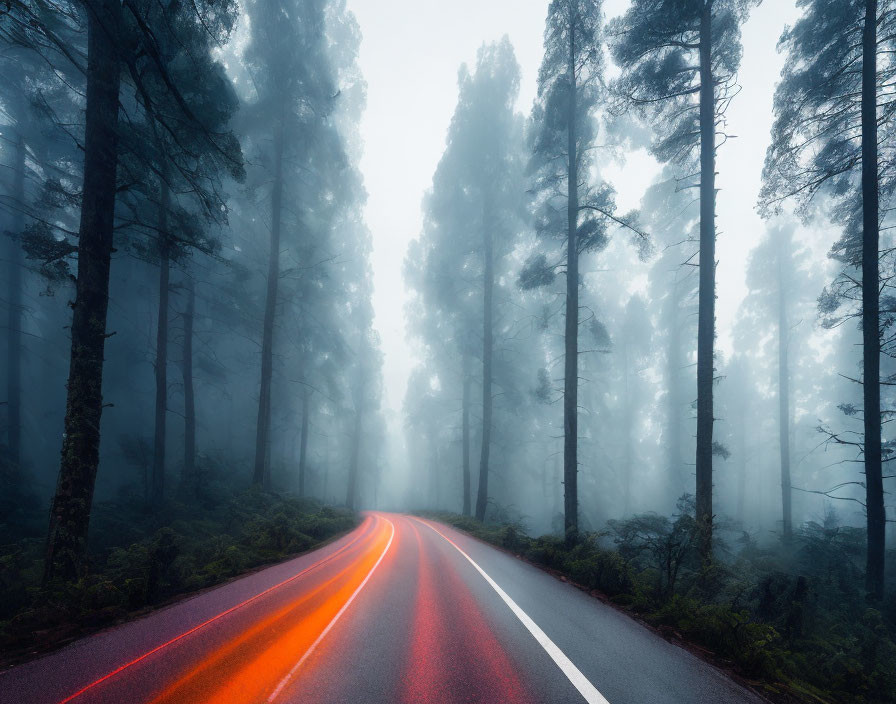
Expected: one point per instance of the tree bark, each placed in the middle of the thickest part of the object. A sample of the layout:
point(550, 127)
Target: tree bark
point(465, 432)
point(325, 494)
point(261, 474)
point(303, 448)
point(161, 370)
point(874, 496)
point(14, 317)
point(742, 461)
point(628, 420)
point(359, 400)
point(437, 476)
point(707, 293)
point(784, 391)
point(70, 511)
point(558, 474)
point(571, 366)
point(189, 478)
point(432, 477)
point(351, 498)
point(487, 351)
point(677, 477)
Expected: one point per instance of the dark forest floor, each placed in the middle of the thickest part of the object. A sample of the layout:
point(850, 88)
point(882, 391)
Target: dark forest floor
point(141, 560)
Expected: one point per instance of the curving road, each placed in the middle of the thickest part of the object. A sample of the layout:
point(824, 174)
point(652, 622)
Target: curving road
point(400, 610)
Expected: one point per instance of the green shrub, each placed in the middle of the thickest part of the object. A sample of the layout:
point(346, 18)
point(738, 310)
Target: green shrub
point(139, 560)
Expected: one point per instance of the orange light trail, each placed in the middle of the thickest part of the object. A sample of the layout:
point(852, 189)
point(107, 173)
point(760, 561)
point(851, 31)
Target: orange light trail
point(264, 653)
point(330, 625)
point(255, 663)
point(363, 531)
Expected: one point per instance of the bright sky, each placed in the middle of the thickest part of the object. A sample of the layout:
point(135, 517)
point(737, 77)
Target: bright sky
point(410, 55)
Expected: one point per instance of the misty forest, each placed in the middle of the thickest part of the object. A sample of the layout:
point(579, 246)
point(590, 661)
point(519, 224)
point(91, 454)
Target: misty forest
point(195, 368)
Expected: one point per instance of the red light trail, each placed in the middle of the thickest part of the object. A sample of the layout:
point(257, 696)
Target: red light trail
point(260, 649)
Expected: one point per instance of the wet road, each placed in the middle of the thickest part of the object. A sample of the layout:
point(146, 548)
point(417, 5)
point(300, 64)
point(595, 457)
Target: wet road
point(400, 610)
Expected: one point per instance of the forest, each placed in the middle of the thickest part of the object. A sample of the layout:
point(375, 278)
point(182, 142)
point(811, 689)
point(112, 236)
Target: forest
point(194, 348)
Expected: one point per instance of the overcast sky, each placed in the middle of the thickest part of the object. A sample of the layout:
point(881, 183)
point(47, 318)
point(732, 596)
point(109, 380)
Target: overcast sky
point(410, 54)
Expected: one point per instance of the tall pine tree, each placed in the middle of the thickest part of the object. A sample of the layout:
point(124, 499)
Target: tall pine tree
point(678, 61)
point(568, 208)
point(833, 133)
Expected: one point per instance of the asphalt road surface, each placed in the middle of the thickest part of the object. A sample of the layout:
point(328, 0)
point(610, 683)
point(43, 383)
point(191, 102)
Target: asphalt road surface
point(400, 610)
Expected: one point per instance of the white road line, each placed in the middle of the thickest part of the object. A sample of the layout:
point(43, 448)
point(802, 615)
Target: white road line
point(579, 681)
point(289, 675)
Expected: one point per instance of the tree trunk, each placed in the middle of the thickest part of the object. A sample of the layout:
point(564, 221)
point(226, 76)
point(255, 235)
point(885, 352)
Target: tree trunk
point(432, 478)
point(558, 474)
point(261, 474)
point(325, 494)
point(742, 461)
point(571, 366)
point(189, 478)
point(628, 420)
point(487, 350)
point(303, 449)
point(876, 513)
point(351, 498)
point(161, 409)
point(437, 476)
point(70, 511)
point(677, 476)
point(784, 391)
point(359, 400)
point(14, 318)
point(465, 422)
point(707, 295)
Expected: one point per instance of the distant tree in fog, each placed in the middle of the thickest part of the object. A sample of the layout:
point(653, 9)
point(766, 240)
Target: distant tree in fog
point(775, 284)
point(472, 216)
point(671, 216)
point(303, 167)
point(569, 210)
point(293, 90)
point(38, 102)
point(633, 347)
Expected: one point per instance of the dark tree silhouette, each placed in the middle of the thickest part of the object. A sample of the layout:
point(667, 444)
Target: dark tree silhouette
point(678, 62)
point(832, 133)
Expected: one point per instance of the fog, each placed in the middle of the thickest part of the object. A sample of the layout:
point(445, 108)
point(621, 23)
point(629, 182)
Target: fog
point(322, 248)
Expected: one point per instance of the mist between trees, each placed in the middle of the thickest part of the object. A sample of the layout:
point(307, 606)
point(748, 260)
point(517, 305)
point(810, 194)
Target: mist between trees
point(568, 350)
point(188, 281)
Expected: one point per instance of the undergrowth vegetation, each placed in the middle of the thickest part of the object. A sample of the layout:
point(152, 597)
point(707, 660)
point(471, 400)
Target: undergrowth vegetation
point(791, 619)
point(141, 558)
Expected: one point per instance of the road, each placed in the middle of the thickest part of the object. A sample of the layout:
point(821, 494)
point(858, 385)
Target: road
point(400, 610)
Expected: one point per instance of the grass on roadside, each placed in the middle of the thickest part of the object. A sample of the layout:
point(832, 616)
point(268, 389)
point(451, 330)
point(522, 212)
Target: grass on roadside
point(142, 559)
